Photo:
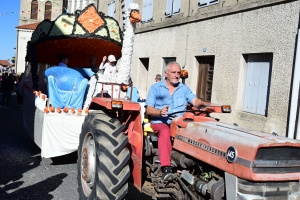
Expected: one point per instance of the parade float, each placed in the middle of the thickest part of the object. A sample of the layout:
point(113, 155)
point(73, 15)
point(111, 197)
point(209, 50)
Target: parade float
point(57, 99)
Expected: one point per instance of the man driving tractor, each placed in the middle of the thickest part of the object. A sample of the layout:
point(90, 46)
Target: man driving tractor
point(165, 97)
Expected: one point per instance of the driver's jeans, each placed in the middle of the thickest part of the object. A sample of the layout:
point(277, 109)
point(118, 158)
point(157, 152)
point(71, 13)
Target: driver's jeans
point(164, 143)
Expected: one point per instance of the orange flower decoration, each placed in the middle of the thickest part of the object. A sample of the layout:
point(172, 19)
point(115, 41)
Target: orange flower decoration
point(66, 109)
point(58, 110)
point(86, 111)
point(52, 109)
point(72, 110)
point(46, 110)
point(79, 110)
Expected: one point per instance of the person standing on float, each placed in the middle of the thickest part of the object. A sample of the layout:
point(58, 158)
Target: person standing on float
point(110, 67)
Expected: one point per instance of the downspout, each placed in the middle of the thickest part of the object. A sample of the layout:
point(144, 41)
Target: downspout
point(17, 50)
point(295, 94)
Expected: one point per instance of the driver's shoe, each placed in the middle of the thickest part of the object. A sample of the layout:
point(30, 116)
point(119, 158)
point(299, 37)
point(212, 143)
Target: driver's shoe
point(167, 175)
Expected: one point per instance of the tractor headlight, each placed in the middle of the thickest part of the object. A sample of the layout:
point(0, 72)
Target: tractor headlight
point(116, 104)
point(226, 109)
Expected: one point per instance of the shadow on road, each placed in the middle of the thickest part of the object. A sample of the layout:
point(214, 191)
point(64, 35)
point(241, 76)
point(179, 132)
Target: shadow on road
point(39, 190)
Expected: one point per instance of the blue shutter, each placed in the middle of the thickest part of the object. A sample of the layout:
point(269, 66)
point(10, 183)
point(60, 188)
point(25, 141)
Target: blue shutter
point(169, 8)
point(176, 6)
point(150, 10)
point(113, 8)
point(145, 10)
point(109, 9)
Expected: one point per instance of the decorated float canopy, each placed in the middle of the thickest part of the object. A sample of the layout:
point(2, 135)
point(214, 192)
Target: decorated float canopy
point(81, 35)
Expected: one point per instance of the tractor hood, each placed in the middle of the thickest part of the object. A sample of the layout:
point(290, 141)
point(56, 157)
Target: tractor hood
point(243, 152)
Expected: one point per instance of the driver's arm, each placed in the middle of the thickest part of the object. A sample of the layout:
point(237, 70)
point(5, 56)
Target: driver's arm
point(198, 102)
point(153, 112)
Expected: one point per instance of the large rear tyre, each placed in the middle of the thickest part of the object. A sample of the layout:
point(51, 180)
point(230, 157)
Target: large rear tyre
point(103, 169)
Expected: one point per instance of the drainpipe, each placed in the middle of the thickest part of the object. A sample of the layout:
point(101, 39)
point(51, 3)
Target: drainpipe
point(295, 94)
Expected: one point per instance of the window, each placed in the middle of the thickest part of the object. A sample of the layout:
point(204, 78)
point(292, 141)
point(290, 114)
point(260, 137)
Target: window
point(111, 9)
point(48, 10)
point(173, 7)
point(258, 72)
point(165, 62)
point(205, 77)
point(147, 11)
point(34, 9)
point(65, 6)
point(203, 3)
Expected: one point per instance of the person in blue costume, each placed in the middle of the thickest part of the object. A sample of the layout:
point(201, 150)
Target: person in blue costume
point(63, 60)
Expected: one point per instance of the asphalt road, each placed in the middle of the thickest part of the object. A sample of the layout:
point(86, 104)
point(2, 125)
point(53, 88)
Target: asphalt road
point(25, 175)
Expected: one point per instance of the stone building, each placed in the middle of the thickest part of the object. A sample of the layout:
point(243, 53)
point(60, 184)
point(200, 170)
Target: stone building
point(240, 53)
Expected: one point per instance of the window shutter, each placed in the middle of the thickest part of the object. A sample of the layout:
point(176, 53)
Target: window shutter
point(113, 8)
point(48, 10)
point(145, 10)
point(150, 10)
point(248, 106)
point(257, 80)
point(169, 8)
point(176, 6)
point(34, 9)
point(263, 87)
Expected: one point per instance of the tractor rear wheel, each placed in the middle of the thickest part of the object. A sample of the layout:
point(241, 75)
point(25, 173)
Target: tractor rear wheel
point(103, 169)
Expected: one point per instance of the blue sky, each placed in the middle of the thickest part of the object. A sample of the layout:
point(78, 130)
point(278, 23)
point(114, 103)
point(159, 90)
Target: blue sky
point(8, 22)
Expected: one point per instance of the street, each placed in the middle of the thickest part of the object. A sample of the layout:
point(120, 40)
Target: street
point(25, 175)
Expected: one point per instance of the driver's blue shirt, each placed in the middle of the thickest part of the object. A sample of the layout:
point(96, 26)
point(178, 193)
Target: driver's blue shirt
point(159, 97)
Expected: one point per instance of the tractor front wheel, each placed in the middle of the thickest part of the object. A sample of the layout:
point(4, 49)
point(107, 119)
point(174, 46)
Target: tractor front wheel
point(103, 169)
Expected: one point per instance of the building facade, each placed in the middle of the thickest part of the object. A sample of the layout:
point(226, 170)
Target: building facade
point(239, 53)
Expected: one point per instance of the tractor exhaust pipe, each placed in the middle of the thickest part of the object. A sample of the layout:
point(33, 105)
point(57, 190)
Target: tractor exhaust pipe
point(181, 160)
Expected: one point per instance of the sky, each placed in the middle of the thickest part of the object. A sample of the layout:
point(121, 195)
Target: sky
point(8, 22)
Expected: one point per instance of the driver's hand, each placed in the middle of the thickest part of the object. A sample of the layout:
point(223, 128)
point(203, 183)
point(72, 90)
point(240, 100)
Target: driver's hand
point(104, 58)
point(164, 111)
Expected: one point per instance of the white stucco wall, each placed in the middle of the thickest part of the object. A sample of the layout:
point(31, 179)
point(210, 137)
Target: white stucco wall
point(269, 29)
point(23, 36)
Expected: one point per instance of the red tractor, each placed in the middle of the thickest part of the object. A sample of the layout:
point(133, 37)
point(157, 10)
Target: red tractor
point(210, 159)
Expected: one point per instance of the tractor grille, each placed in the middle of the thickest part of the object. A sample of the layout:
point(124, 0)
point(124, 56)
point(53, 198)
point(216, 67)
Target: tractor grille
point(277, 160)
point(267, 190)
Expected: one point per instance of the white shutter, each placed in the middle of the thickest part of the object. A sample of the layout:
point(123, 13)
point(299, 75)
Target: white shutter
point(145, 10)
point(248, 87)
point(169, 7)
point(150, 10)
point(176, 6)
point(113, 8)
point(256, 85)
point(263, 88)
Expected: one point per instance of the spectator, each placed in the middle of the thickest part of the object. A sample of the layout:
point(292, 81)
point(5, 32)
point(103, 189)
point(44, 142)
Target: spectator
point(63, 60)
point(7, 87)
point(19, 86)
point(110, 67)
point(158, 78)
